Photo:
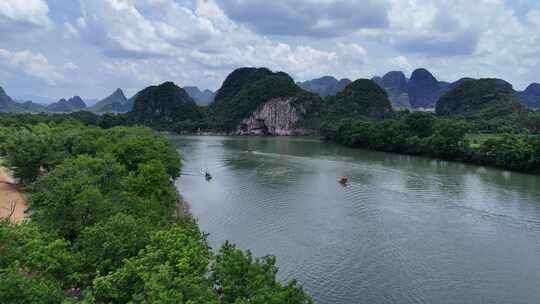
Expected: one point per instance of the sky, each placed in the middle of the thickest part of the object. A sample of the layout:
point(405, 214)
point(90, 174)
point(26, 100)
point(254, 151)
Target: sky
point(50, 49)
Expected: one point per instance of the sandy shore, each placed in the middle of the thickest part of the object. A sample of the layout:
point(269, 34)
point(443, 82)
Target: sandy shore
point(9, 196)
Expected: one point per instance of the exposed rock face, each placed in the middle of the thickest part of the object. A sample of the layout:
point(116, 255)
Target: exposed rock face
point(71, 105)
point(278, 116)
point(202, 98)
point(487, 98)
point(325, 86)
point(531, 96)
point(163, 105)
point(114, 103)
point(423, 88)
point(251, 101)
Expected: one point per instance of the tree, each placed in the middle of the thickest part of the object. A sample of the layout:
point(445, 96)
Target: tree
point(27, 150)
point(133, 146)
point(75, 195)
point(35, 252)
point(106, 244)
point(16, 286)
point(240, 278)
point(448, 139)
point(172, 269)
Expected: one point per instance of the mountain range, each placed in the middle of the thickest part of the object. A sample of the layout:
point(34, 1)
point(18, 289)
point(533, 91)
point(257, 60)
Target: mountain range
point(325, 86)
point(73, 104)
point(421, 90)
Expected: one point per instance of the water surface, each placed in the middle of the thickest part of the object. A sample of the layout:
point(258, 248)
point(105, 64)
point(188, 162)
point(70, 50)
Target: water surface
point(405, 229)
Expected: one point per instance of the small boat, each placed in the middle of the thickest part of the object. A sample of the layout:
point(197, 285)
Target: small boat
point(343, 180)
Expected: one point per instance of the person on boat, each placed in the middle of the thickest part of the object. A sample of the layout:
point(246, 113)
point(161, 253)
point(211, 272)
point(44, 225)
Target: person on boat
point(207, 175)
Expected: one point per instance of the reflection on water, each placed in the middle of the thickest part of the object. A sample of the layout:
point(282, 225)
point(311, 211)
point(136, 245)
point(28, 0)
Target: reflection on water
point(404, 230)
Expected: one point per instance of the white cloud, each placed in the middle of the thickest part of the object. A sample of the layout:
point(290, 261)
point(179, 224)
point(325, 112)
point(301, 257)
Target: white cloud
point(35, 65)
point(70, 66)
point(23, 15)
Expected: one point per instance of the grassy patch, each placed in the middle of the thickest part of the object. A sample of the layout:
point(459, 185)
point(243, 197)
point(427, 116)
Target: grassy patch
point(477, 139)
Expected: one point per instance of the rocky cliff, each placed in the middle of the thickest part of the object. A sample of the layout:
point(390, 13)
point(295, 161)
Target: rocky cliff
point(278, 116)
point(259, 101)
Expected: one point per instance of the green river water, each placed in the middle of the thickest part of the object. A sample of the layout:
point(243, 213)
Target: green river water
point(405, 229)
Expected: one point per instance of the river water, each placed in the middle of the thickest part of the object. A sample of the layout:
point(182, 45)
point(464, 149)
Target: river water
point(405, 230)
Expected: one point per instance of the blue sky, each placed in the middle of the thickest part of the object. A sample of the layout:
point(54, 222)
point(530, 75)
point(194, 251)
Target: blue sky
point(59, 48)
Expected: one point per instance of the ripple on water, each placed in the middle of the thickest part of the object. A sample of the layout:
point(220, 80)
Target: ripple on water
point(405, 230)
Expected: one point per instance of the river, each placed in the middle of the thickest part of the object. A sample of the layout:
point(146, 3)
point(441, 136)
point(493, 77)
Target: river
point(405, 230)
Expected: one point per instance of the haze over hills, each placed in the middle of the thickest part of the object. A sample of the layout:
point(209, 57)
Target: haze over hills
point(325, 86)
point(73, 104)
point(114, 103)
point(202, 98)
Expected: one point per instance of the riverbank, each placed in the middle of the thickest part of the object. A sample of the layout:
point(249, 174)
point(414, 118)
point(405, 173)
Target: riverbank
point(12, 201)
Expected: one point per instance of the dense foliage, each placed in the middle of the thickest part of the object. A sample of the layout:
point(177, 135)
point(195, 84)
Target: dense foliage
point(423, 133)
point(163, 105)
point(362, 98)
point(108, 226)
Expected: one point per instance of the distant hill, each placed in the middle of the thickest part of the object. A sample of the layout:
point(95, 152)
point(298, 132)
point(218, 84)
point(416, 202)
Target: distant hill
point(259, 101)
point(363, 98)
point(8, 105)
point(114, 103)
point(202, 98)
point(395, 85)
point(423, 88)
point(32, 107)
point(162, 106)
point(484, 98)
point(73, 104)
point(531, 96)
point(325, 86)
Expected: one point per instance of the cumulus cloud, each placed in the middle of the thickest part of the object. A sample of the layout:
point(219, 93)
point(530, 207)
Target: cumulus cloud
point(21, 16)
point(319, 18)
point(34, 65)
point(136, 43)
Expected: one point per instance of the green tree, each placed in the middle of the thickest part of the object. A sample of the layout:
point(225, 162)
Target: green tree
point(240, 278)
point(17, 286)
point(105, 245)
point(448, 139)
point(172, 269)
point(37, 253)
point(27, 150)
point(75, 195)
